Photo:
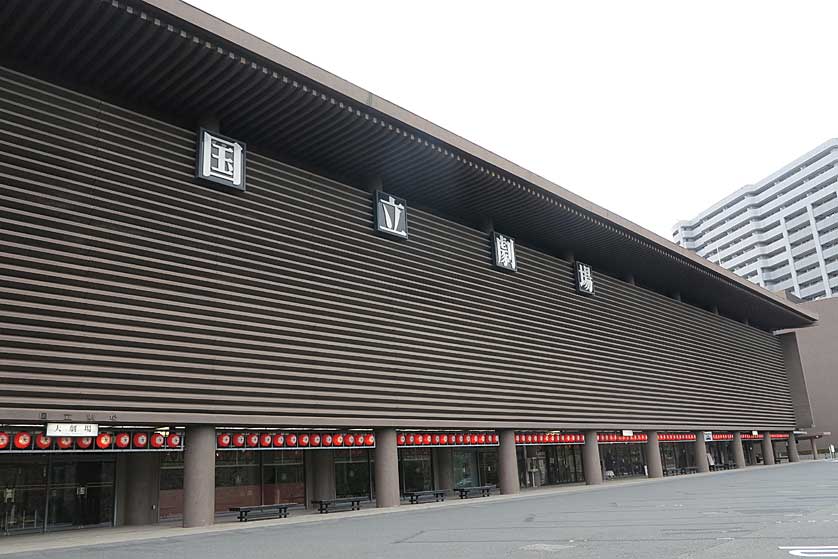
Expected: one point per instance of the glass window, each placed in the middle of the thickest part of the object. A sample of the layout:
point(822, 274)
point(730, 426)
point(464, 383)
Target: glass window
point(352, 472)
point(283, 477)
point(465, 467)
point(237, 480)
point(623, 460)
point(415, 469)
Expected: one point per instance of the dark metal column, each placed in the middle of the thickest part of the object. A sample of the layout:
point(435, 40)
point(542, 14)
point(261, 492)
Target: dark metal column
point(738, 451)
point(386, 469)
point(814, 448)
point(590, 459)
point(654, 466)
point(508, 463)
point(794, 456)
point(767, 449)
point(142, 493)
point(700, 450)
point(199, 476)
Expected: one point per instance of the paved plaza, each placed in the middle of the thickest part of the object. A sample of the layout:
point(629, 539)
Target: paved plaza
point(752, 513)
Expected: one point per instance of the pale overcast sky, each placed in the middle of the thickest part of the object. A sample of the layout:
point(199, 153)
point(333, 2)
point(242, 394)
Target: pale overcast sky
point(654, 110)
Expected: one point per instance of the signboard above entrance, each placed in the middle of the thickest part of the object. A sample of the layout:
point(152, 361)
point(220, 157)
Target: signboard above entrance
point(72, 429)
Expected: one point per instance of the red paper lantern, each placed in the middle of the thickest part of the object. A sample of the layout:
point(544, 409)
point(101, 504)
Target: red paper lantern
point(239, 439)
point(224, 440)
point(122, 440)
point(173, 440)
point(265, 439)
point(436, 439)
point(291, 440)
point(4, 440)
point(157, 440)
point(349, 440)
point(42, 441)
point(279, 440)
point(482, 439)
point(359, 440)
point(84, 442)
point(369, 440)
point(22, 440)
point(517, 438)
point(253, 439)
point(460, 438)
point(401, 440)
point(140, 440)
point(426, 439)
point(337, 440)
point(304, 440)
point(316, 440)
point(65, 442)
point(443, 439)
point(452, 438)
point(411, 438)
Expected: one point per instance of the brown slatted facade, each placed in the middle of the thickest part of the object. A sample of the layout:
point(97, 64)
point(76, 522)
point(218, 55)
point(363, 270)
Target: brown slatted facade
point(134, 294)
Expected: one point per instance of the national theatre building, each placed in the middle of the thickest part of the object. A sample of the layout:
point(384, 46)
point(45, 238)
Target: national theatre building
point(230, 278)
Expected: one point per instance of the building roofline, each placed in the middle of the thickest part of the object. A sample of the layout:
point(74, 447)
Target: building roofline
point(244, 40)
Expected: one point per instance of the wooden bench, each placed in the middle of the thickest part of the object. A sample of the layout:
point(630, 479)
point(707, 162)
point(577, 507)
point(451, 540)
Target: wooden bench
point(353, 502)
point(264, 511)
point(485, 490)
point(415, 496)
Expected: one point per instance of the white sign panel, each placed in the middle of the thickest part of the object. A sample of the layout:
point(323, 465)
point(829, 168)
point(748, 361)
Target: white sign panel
point(627, 433)
point(390, 215)
point(221, 160)
point(708, 436)
point(584, 279)
point(72, 429)
point(504, 251)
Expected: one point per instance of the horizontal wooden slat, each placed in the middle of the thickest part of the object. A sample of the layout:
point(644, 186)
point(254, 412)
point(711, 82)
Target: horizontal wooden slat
point(127, 290)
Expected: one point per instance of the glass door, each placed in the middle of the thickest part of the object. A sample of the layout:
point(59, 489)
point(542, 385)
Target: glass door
point(81, 493)
point(23, 492)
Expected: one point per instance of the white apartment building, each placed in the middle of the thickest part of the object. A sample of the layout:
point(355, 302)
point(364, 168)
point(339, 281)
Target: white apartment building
point(781, 233)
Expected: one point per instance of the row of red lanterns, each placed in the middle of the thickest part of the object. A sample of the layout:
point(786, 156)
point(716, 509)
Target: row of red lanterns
point(549, 438)
point(24, 440)
point(448, 439)
point(774, 436)
point(618, 438)
point(675, 437)
point(722, 436)
point(227, 440)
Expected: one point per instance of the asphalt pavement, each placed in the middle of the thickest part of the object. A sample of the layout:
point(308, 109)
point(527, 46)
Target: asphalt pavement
point(754, 513)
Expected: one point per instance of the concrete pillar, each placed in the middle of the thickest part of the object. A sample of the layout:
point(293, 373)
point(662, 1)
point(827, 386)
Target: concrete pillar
point(142, 488)
point(323, 474)
point(767, 449)
point(508, 463)
point(654, 466)
point(199, 476)
point(444, 468)
point(700, 450)
point(387, 492)
point(590, 459)
point(738, 451)
point(793, 455)
point(814, 448)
